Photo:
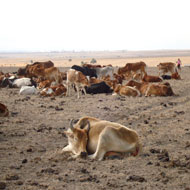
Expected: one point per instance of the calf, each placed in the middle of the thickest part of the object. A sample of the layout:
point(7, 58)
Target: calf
point(126, 90)
point(99, 137)
point(78, 79)
point(150, 78)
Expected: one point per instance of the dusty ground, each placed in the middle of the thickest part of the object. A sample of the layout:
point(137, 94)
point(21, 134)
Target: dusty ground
point(32, 135)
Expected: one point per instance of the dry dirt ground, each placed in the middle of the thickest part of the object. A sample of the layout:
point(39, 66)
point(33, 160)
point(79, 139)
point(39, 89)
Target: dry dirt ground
point(32, 136)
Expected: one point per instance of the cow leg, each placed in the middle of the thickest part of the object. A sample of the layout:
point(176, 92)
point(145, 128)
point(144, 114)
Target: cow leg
point(77, 87)
point(68, 148)
point(84, 90)
point(68, 89)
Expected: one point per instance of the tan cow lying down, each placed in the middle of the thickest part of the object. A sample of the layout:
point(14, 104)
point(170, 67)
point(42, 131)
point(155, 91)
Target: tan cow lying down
point(159, 90)
point(150, 78)
point(99, 137)
point(126, 90)
point(4, 112)
point(166, 67)
point(78, 79)
point(149, 89)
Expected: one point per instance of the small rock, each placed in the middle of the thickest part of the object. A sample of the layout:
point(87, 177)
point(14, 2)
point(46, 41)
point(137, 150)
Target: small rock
point(11, 177)
point(24, 161)
point(136, 178)
point(2, 185)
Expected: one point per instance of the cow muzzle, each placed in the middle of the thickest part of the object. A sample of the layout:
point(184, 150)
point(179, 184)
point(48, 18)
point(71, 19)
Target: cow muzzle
point(83, 154)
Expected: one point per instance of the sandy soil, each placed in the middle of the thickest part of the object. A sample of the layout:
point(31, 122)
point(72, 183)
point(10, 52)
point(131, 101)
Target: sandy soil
point(32, 136)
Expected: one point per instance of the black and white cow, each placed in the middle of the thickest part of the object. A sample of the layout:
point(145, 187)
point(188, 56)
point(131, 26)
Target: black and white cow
point(85, 71)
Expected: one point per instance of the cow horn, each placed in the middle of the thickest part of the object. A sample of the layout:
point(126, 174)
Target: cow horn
point(88, 126)
point(71, 124)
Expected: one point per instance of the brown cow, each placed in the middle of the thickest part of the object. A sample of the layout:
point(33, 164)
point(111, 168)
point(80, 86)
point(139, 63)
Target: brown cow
point(159, 90)
point(166, 67)
point(141, 86)
point(131, 68)
point(27, 70)
point(44, 84)
point(4, 112)
point(176, 76)
point(148, 89)
point(126, 90)
point(54, 90)
point(150, 78)
point(51, 74)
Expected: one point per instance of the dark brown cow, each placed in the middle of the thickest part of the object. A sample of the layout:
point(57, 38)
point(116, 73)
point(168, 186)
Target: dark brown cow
point(27, 70)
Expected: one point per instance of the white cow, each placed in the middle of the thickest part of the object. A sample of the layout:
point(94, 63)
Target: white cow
point(22, 82)
point(28, 90)
point(105, 71)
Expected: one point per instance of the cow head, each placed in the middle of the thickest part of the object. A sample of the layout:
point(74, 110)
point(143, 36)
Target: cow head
point(78, 139)
point(117, 88)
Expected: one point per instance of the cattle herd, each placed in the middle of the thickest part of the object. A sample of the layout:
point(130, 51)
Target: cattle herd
point(95, 137)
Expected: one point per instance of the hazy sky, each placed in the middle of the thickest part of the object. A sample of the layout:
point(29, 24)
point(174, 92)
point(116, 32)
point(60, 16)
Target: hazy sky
point(47, 25)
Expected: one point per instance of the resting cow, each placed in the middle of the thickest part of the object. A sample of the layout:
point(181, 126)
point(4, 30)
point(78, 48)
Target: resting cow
point(98, 88)
point(26, 71)
point(150, 78)
point(175, 76)
point(98, 137)
point(28, 90)
point(23, 82)
point(159, 90)
point(126, 90)
point(141, 86)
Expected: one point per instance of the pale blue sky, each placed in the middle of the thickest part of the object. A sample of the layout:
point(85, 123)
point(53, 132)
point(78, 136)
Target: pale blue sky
point(48, 25)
